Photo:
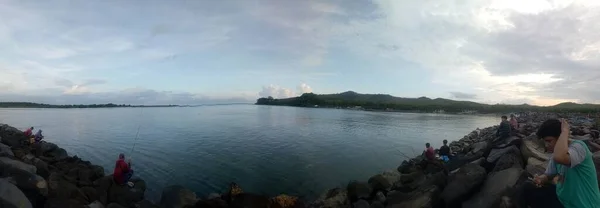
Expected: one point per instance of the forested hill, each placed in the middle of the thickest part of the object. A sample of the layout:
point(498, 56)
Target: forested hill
point(42, 105)
point(422, 104)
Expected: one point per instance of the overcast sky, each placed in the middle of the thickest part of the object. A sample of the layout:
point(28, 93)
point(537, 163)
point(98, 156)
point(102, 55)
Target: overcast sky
point(191, 52)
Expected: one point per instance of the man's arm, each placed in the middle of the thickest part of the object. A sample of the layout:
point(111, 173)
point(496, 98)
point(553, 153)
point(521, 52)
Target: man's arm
point(561, 149)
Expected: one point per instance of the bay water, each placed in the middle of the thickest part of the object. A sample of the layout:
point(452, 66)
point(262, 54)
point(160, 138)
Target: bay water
point(265, 149)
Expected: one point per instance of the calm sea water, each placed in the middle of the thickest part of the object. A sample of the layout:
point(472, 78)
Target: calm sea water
point(265, 149)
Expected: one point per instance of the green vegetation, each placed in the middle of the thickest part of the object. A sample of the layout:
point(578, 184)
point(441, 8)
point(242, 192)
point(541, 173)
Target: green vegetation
point(423, 104)
point(41, 105)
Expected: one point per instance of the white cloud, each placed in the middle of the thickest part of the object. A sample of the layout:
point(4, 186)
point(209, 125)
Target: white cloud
point(275, 92)
point(304, 88)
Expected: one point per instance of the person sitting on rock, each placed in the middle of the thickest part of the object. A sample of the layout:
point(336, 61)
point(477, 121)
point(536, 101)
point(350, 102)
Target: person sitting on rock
point(123, 171)
point(570, 177)
point(445, 151)
point(38, 136)
point(429, 152)
point(514, 124)
point(28, 132)
point(504, 129)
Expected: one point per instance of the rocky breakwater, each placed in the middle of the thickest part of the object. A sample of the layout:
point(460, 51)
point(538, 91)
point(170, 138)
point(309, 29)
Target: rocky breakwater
point(44, 175)
point(486, 172)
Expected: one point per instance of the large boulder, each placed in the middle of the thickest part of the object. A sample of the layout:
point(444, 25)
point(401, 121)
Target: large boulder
point(5, 151)
point(424, 197)
point(496, 184)
point(509, 160)
point(534, 148)
point(63, 203)
point(57, 154)
point(17, 164)
point(479, 147)
point(535, 166)
point(379, 183)
point(125, 196)
point(62, 189)
point(40, 165)
point(361, 204)
point(178, 197)
point(462, 184)
point(33, 186)
point(358, 190)
point(336, 197)
point(11, 196)
point(12, 136)
point(46, 146)
point(495, 154)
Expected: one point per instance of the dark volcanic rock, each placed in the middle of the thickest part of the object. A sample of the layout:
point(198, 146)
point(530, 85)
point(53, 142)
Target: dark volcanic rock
point(61, 189)
point(247, 200)
point(12, 136)
point(495, 185)
point(495, 154)
point(125, 196)
point(425, 197)
point(361, 204)
point(11, 196)
point(358, 190)
point(511, 159)
point(465, 182)
point(379, 183)
point(63, 203)
point(178, 197)
point(535, 166)
point(5, 151)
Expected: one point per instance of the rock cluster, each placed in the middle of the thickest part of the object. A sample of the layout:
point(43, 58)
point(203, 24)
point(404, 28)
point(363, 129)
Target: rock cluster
point(485, 172)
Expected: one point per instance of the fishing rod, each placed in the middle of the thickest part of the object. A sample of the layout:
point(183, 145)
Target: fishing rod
point(137, 133)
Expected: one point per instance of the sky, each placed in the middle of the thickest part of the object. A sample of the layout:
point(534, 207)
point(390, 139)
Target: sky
point(197, 52)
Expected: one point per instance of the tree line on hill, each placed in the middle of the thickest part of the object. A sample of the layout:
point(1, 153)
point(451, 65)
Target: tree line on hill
point(423, 104)
point(42, 105)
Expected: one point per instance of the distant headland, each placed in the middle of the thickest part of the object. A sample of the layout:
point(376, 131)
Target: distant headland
point(384, 102)
point(42, 105)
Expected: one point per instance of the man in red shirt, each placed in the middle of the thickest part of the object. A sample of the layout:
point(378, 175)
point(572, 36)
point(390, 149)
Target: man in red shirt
point(123, 171)
point(429, 152)
point(28, 132)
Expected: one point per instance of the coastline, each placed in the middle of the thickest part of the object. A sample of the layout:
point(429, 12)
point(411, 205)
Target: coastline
point(55, 179)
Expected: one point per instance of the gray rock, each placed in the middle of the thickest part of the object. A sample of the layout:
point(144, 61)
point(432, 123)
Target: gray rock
point(533, 148)
point(177, 197)
point(18, 164)
point(145, 204)
point(535, 166)
point(61, 189)
point(511, 159)
point(47, 147)
point(424, 197)
point(479, 147)
point(125, 196)
point(12, 136)
point(494, 186)
point(95, 204)
point(11, 196)
point(5, 151)
point(465, 182)
point(213, 196)
point(361, 204)
point(380, 197)
point(392, 176)
point(22, 176)
point(495, 154)
point(358, 190)
point(336, 197)
point(379, 183)
point(377, 204)
point(115, 205)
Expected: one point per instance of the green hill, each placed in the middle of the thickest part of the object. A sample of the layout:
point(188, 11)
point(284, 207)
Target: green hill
point(352, 99)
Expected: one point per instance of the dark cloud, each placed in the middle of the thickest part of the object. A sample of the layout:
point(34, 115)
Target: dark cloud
point(462, 95)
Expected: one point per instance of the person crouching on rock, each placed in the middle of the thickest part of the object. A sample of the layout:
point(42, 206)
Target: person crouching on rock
point(38, 136)
point(123, 171)
point(570, 177)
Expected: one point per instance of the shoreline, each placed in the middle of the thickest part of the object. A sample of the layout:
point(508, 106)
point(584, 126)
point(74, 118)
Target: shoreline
point(55, 179)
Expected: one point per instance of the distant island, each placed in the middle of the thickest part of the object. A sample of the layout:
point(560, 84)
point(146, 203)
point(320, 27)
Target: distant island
point(42, 105)
point(384, 102)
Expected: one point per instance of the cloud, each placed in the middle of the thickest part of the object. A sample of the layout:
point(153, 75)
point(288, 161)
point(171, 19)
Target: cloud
point(463, 95)
point(275, 92)
point(304, 88)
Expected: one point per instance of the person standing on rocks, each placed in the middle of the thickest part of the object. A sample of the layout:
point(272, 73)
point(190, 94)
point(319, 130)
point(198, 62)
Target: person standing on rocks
point(571, 171)
point(123, 172)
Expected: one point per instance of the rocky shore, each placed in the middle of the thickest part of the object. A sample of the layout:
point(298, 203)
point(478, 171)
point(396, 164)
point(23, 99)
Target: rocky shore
point(484, 173)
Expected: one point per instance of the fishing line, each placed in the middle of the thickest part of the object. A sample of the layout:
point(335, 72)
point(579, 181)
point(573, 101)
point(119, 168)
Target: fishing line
point(137, 133)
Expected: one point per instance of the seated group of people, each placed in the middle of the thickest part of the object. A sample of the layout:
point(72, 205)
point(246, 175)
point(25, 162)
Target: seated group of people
point(444, 152)
point(33, 138)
